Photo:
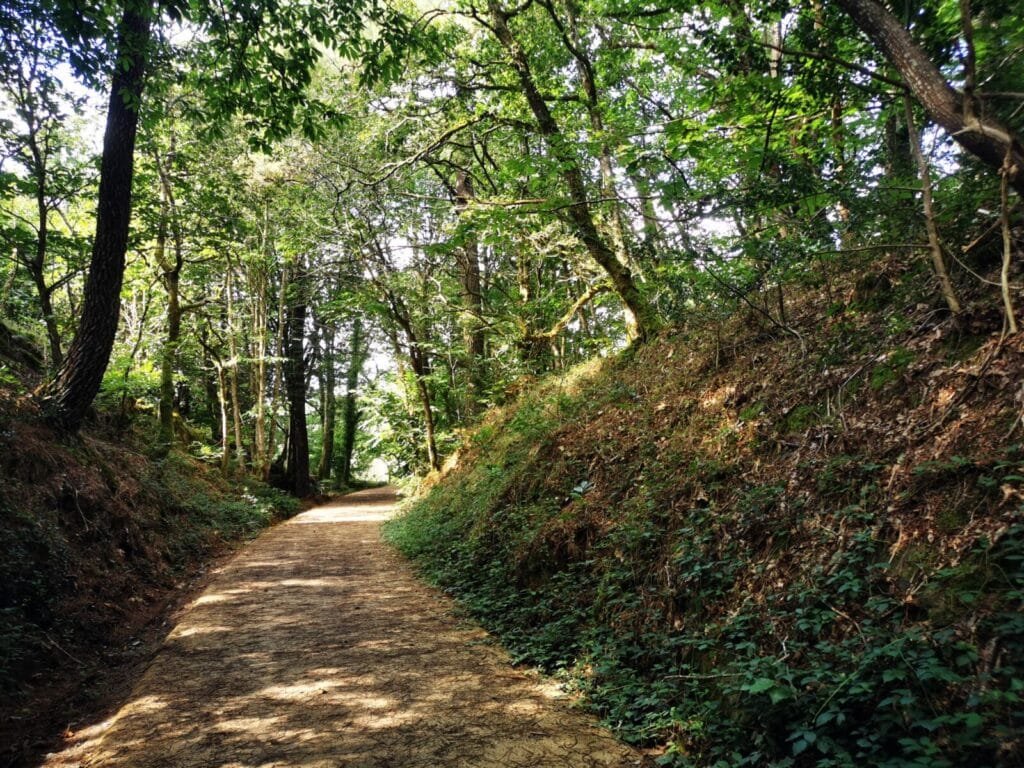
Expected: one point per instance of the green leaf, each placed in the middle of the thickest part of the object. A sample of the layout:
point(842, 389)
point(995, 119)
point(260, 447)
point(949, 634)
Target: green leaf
point(761, 685)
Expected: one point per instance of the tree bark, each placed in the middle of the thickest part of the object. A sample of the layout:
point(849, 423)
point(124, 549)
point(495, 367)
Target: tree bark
point(258, 286)
point(983, 137)
point(222, 398)
point(297, 462)
point(169, 359)
point(279, 348)
point(236, 404)
point(69, 395)
point(350, 408)
point(37, 265)
point(472, 295)
point(210, 385)
point(641, 320)
point(329, 404)
point(172, 281)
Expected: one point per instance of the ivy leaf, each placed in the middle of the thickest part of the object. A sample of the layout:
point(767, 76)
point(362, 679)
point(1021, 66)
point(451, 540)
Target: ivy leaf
point(761, 685)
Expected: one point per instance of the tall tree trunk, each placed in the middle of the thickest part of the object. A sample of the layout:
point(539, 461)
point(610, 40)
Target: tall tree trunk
point(534, 350)
point(225, 440)
point(429, 428)
point(983, 137)
point(641, 320)
point(258, 284)
point(68, 396)
point(169, 358)
point(236, 405)
point(328, 405)
point(172, 282)
point(297, 461)
point(210, 385)
point(279, 347)
point(37, 265)
point(350, 408)
point(472, 295)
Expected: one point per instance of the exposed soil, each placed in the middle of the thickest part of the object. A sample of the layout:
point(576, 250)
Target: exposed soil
point(95, 678)
point(317, 646)
point(102, 546)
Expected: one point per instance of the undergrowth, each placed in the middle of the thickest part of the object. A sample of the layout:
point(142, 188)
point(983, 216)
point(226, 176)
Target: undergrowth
point(92, 531)
point(744, 579)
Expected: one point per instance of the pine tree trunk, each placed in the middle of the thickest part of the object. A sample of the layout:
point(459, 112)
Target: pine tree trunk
point(69, 395)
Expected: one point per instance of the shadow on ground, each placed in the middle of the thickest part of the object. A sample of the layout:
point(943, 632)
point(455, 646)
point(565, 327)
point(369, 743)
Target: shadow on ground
point(316, 646)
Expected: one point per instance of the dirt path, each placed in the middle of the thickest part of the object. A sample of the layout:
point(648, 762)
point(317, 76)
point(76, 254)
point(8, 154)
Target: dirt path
point(317, 647)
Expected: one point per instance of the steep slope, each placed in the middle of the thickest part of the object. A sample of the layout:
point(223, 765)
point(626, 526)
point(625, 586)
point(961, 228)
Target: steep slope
point(768, 551)
point(99, 543)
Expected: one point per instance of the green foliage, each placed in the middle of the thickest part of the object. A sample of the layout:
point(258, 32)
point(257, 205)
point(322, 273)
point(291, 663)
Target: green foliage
point(9, 380)
point(651, 614)
point(802, 417)
point(128, 379)
point(167, 517)
point(197, 513)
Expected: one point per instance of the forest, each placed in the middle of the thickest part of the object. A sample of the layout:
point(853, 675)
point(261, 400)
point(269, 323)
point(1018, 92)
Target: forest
point(506, 254)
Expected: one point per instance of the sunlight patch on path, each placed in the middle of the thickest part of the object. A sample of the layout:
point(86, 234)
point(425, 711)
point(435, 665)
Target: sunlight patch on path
point(317, 647)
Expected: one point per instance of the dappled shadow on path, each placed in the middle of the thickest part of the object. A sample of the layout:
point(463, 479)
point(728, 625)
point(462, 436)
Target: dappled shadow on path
point(317, 647)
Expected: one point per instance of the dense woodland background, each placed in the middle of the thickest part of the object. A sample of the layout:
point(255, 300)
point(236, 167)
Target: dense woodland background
point(477, 191)
point(318, 235)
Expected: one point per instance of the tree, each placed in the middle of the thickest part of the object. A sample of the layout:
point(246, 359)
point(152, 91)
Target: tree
point(357, 353)
point(271, 50)
point(68, 396)
point(296, 476)
point(328, 399)
point(641, 319)
point(30, 88)
point(958, 113)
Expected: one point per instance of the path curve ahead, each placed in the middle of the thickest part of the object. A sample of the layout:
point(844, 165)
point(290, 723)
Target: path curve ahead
point(317, 647)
